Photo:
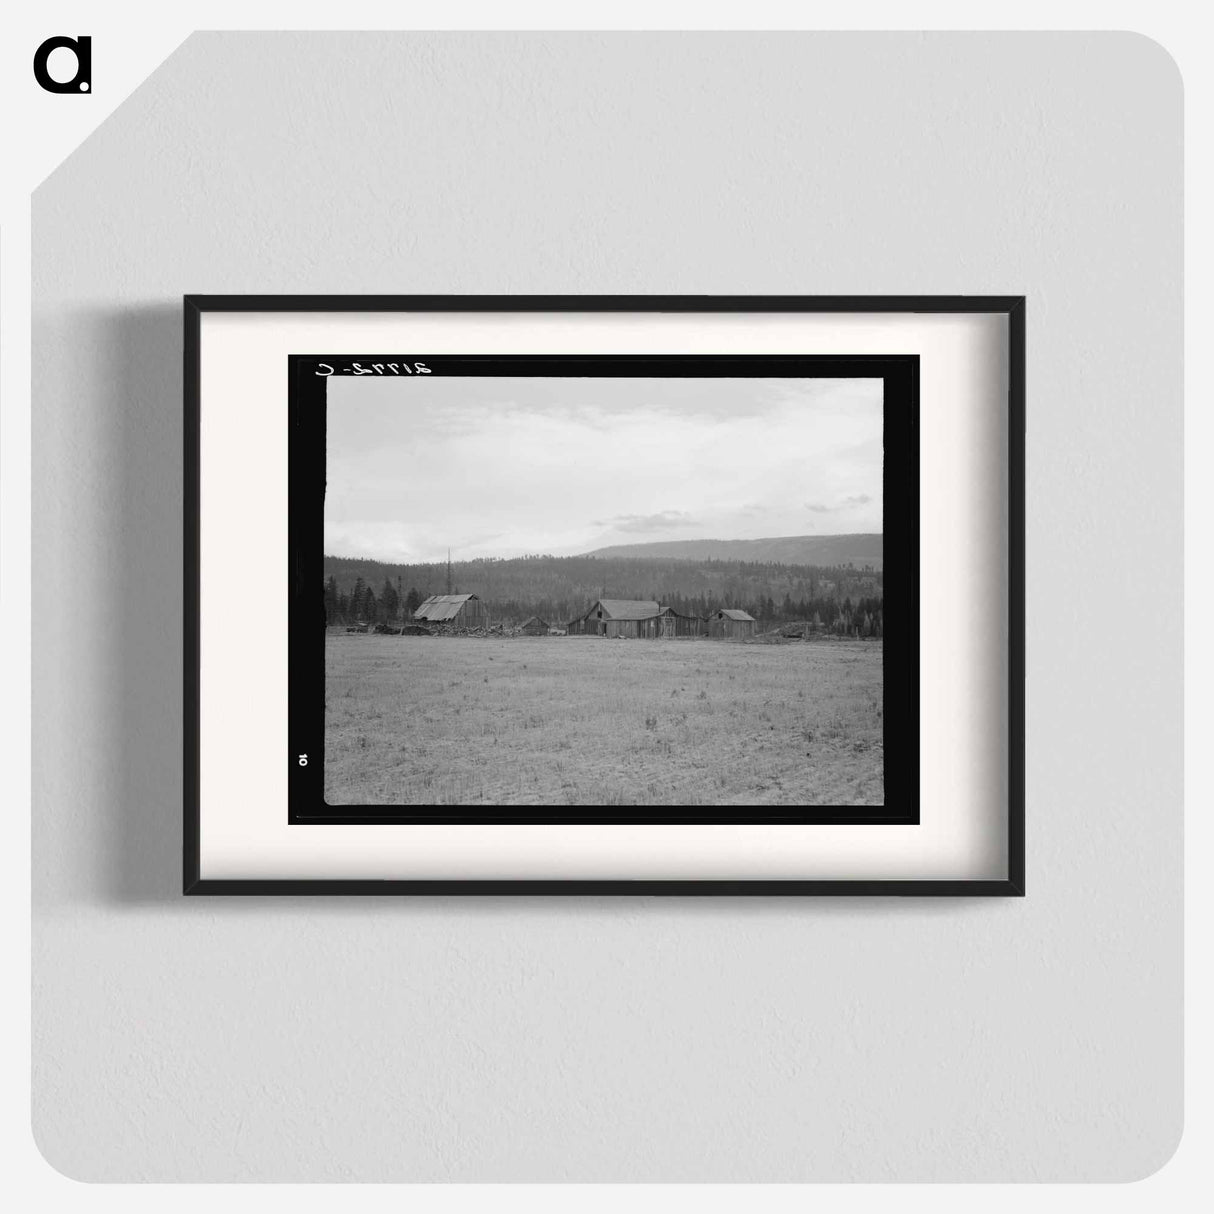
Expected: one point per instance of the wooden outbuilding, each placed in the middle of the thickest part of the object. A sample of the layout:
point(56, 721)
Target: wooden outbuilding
point(636, 618)
point(619, 618)
point(731, 624)
point(676, 624)
point(457, 610)
point(535, 627)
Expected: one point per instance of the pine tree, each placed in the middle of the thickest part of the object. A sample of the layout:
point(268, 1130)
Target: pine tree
point(358, 601)
point(389, 602)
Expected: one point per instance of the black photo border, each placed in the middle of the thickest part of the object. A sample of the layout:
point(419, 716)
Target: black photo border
point(309, 377)
point(1013, 307)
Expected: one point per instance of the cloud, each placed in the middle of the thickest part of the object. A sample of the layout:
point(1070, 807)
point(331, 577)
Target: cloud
point(416, 466)
point(848, 503)
point(641, 523)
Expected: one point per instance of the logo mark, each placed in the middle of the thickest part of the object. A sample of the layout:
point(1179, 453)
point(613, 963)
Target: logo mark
point(82, 48)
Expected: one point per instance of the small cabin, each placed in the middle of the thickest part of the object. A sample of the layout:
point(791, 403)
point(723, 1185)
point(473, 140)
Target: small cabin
point(535, 627)
point(619, 618)
point(731, 624)
point(676, 624)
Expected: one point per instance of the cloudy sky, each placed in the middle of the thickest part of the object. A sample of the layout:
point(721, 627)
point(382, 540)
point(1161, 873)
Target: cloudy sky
point(507, 466)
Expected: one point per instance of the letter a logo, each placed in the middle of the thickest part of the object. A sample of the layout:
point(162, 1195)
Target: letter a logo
point(82, 81)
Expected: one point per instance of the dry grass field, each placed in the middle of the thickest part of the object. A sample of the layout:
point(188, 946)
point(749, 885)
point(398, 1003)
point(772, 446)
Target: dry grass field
point(586, 721)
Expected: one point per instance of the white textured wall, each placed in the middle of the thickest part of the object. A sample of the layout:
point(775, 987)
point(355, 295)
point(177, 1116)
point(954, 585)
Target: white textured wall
point(624, 1039)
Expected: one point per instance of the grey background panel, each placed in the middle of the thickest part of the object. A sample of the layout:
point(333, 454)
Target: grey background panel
point(629, 1039)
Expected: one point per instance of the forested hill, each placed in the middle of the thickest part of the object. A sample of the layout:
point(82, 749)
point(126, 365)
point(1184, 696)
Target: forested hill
point(859, 550)
point(559, 588)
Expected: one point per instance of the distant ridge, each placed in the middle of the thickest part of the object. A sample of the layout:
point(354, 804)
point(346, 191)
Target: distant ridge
point(859, 550)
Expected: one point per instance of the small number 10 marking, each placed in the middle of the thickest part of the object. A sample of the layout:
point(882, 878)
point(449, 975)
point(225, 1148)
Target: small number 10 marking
point(303, 760)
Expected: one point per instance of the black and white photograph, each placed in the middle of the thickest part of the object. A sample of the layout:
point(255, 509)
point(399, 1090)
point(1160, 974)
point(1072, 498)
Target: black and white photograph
point(615, 583)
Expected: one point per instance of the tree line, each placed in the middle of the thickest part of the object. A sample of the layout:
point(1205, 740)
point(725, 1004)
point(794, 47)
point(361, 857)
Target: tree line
point(559, 589)
point(863, 616)
point(363, 606)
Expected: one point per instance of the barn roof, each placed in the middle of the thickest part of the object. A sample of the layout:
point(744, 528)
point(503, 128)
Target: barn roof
point(732, 613)
point(628, 609)
point(535, 619)
point(442, 606)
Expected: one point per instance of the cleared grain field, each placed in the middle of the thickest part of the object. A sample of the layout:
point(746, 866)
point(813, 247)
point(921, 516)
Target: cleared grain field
point(587, 721)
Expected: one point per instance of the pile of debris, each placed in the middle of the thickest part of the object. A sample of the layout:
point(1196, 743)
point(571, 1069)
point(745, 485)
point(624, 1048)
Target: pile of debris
point(453, 630)
point(797, 630)
point(802, 629)
point(432, 629)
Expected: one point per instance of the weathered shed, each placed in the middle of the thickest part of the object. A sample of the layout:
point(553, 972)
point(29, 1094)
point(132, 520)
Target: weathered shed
point(731, 623)
point(458, 610)
point(619, 618)
point(535, 627)
point(676, 624)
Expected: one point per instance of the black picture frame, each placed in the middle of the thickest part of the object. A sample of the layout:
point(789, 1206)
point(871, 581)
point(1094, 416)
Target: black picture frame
point(1011, 307)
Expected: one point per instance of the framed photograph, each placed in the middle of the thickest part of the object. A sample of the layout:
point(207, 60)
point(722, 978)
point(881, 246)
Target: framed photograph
point(604, 594)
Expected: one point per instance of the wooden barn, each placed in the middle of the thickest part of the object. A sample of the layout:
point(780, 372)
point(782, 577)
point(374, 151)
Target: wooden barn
point(731, 624)
point(675, 624)
point(619, 618)
point(535, 627)
point(458, 610)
